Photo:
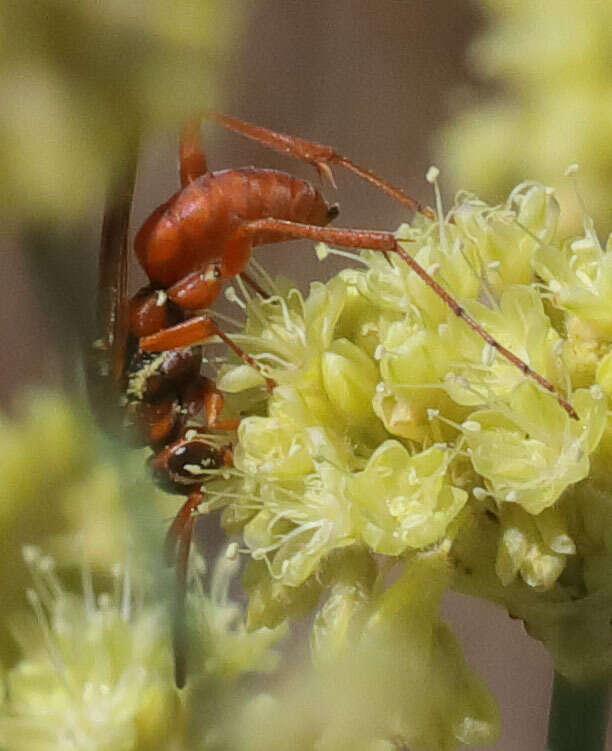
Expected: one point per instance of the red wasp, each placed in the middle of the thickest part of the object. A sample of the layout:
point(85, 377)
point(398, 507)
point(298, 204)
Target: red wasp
point(188, 247)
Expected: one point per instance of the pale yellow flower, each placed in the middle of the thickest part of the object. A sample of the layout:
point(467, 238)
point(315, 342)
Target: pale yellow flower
point(393, 428)
point(96, 672)
point(60, 489)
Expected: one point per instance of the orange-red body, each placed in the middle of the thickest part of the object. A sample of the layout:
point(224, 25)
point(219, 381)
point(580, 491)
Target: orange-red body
point(194, 228)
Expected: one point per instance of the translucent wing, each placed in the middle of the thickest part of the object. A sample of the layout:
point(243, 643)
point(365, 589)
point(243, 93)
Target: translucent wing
point(106, 361)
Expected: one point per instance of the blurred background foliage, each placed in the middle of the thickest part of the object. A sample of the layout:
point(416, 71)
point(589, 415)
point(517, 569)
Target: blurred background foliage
point(81, 80)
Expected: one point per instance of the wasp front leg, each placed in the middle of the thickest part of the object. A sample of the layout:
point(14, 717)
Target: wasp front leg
point(193, 331)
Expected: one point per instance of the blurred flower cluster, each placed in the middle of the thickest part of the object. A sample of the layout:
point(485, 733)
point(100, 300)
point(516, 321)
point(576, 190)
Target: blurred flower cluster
point(97, 671)
point(80, 79)
point(61, 491)
point(553, 75)
point(394, 677)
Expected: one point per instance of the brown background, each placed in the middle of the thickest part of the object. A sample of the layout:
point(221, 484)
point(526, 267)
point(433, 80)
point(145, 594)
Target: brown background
point(373, 79)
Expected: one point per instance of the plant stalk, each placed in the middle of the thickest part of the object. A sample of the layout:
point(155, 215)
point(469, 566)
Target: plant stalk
point(578, 716)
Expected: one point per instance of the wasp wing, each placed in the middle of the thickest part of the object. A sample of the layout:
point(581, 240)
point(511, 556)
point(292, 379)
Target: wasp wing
point(106, 360)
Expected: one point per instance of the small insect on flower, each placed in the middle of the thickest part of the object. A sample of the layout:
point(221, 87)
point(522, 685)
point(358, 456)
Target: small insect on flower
point(188, 247)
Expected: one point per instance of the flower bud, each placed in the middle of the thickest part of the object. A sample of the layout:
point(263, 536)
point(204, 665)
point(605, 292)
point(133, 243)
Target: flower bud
point(349, 379)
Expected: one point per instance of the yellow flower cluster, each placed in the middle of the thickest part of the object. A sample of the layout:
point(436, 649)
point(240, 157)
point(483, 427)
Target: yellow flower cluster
point(393, 430)
point(551, 63)
point(97, 670)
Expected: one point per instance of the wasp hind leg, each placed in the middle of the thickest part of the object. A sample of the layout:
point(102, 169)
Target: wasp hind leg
point(320, 156)
point(192, 159)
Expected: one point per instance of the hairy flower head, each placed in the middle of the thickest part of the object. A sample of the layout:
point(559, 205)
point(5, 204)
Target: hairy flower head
point(394, 428)
point(96, 672)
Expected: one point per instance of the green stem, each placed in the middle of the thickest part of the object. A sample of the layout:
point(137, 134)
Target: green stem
point(578, 716)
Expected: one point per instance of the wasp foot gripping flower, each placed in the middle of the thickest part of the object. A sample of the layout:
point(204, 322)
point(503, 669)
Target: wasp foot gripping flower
point(393, 431)
point(96, 672)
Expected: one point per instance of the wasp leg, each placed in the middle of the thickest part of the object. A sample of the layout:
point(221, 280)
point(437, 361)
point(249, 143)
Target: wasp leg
point(385, 242)
point(197, 290)
point(192, 331)
point(204, 396)
point(322, 157)
point(192, 159)
point(213, 404)
point(184, 334)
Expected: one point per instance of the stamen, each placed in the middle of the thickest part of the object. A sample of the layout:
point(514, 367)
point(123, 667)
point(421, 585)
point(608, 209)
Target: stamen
point(52, 648)
point(228, 319)
point(232, 296)
point(243, 288)
point(261, 271)
point(46, 566)
point(487, 356)
point(89, 597)
point(271, 357)
point(431, 176)
point(126, 595)
point(322, 251)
